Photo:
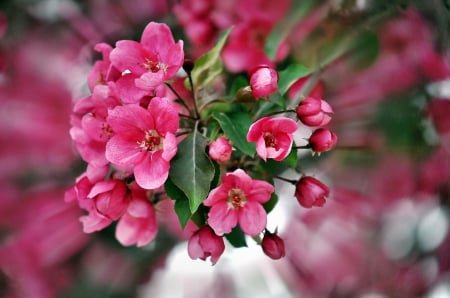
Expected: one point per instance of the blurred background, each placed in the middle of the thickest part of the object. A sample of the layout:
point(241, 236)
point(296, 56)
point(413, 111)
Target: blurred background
point(384, 232)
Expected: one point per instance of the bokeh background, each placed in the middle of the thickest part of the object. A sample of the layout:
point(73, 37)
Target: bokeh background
point(384, 232)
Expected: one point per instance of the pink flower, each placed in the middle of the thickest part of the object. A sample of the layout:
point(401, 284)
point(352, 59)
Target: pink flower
point(311, 192)
point(144, 140)
point(138, 225)
point(314, 112)
point(317, 91)
point(273, 137)
point(153, 60)
point(205, 243)
point(322, 140)
point(220, 149)
point(273, 246)
point(238, 200)
point(264, 81)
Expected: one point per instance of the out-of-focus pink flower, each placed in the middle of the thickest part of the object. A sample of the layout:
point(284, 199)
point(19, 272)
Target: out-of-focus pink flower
point(138, 225)
point(238, 200)
point(273, 137)
point(273, 246)
point(264, 81)
point(144, 140)
point(153, 60)
point(322, 140)
point(316, 91)
point(439, 110)
point(220, 149)
point(205, 243)
point(314, 112)
point(311, 192)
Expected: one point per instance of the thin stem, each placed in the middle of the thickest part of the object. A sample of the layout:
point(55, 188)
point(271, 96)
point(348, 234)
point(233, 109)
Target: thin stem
point(286, 180)
point(302, 147)
point(186, 116)
point(280, 112)
point(194, 97)
point(179, 99)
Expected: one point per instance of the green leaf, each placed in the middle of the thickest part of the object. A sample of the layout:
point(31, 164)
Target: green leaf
point(191, 170)
point(269, 205)
point(290, 75)
point(236, 237)
point(209, 65)
point(298, 10)
point(365, 49)
point(182, 208)
point(235, 126)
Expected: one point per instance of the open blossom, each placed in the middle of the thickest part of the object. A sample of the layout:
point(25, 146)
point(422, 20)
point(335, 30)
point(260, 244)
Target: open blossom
point(322, 140)
point(311, 192)
point(238, 200)
point(205, 243)
point(273, 137)
point(153, 60)
point(144, 140)
point(220, 149)
point(314, 112)
point(264, 81)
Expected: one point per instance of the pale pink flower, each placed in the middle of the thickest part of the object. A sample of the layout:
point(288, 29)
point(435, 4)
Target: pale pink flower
point(314, 112)
point(220, 149)
point(238, 200)
point(205, 243)
point(138, 225)
point(273, 137)
point(153, 60)
point(144, 139)
point(264, 81)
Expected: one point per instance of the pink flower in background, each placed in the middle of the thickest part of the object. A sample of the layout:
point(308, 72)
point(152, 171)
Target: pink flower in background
point(138, 225)
point(273, 246)
point(273, 137)
point(144, 139)
point(311, 192)
point(220, 149)
point(102, 71)
point(264, 81)
point(314, 112)
point(153, 60)
point(238, 200)
point(322, 140)
point(205, 243)
point(299, 87)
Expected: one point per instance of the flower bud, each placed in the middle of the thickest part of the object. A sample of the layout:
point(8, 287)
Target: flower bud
point(311, 192)
point(322, 140)
point(205, 243)
point(273, 246)
point(264, 81)
point(220, 149)
point(314, 112)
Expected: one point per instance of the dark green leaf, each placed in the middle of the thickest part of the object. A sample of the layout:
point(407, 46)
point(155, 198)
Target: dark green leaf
point(191, 170)
point(289, 75)
point(268, 206)
point(182, 208)
point(236, 237)
point(235, 126)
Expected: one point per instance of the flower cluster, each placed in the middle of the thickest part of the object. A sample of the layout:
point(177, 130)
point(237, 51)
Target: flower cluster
point(144, 143)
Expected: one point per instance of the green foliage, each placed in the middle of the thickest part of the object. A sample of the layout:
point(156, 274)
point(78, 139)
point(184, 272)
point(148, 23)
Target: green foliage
point(289, 75)
point(182, 208)
point(236, 237)
point(191, 169)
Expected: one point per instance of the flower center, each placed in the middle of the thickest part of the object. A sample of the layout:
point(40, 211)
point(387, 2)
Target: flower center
point(236, 198)
point(151, 142)
point(270, 140)
point(151, 65)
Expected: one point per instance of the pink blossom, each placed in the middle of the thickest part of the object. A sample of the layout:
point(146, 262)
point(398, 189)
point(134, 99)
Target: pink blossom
point(273, 137)
point(273, 246)
point(311, 192)
point(314, 112)
point(238, 200)
point(220, 149)
point(205, 243)
point(322, 140)
point(138, 225)
point(264, 81)
point(144, 139)
point(102, 71)
point(153, 60)
point(316, 91)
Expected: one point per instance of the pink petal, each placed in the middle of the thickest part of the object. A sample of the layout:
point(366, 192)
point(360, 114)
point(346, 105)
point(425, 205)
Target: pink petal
point(216, 195)
point(260, 191)
point(221, 218)
point(123, 152)
point(128, 91)
point(152, 171)
point(129, 55)
point(170, 147)
point(94, 222)
point(165, 114)
point(255, 131)
point(157, 38)
point(101, 187)
point(262, 150)
point(252, 218)
point(130, 119)
point(149, 81)
point(174, 59)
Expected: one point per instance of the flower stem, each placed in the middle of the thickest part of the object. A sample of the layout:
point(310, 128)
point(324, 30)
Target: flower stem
point(286, 180)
